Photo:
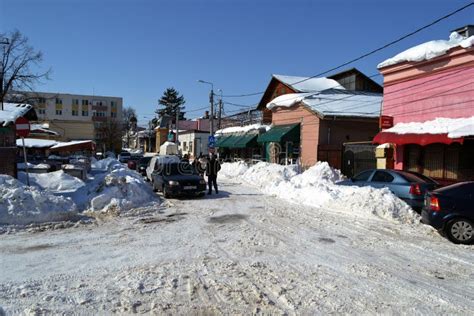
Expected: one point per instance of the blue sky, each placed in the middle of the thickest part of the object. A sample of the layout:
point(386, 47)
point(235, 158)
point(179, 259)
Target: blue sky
point(136, 49)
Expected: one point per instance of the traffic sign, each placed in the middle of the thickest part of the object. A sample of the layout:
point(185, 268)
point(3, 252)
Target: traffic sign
point(211, 141)
point(22, 127)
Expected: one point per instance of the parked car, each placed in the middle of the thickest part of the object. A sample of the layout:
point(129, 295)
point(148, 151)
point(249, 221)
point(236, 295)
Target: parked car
point(155, 161)
point(180, 178)
point(124, 156)
point(405, 185)
point(142, 164)
point(451, 211)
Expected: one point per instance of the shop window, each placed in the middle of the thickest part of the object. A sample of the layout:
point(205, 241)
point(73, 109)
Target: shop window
point(433, 161)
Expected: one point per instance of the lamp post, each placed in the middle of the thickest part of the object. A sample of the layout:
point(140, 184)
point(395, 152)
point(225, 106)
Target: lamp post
point(211, 101)
point(3, 42)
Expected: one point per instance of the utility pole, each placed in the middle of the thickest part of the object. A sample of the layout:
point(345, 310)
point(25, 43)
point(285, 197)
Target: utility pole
point(211, 100)
point(220, 111)
point(176, 125)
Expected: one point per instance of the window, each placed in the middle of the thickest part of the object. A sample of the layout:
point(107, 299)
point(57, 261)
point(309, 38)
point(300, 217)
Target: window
point(113, 114)
point(41, 100)
point(363, 176)
point(75, 101)
point(41, 111)
point(75, 113)
point(59, 101)
point(85, 102)
point(85, 113)
point(59, 112)
point(113, 104)
point(381, 176)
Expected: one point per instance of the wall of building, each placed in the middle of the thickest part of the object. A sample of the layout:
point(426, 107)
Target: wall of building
point(339, 131)
point(441, 87)
point(309, 133)
point(73, 130)
point(198, 141)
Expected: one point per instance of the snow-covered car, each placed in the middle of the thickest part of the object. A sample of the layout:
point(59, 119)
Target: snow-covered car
point(180, 178)
point(156, 160)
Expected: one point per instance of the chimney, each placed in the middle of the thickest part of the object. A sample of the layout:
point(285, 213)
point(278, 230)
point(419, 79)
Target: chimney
point(206, 115)
point(466, 31)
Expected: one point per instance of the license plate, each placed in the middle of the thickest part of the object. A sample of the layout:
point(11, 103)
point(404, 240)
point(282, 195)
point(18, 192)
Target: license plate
point(190, 187)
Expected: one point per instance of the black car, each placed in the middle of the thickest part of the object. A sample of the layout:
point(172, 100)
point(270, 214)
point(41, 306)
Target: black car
point(142, 164)
point(175, 179)
point(451, 211)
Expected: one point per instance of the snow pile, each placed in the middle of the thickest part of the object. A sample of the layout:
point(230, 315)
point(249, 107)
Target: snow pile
point(57, 181)
point(454, 127)
point(317, 187)
point(106, 164)
point(309, 84)
point(288, 100)
point(20, 204)
point(429, 50)
point(232, 170)
point(120, 190)
point(242, 129)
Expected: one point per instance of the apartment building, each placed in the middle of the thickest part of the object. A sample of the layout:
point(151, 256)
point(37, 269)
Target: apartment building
point(75, 116)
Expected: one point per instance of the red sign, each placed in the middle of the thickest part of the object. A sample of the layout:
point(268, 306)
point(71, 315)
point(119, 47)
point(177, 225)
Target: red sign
point(22, 126)
point(386, 121)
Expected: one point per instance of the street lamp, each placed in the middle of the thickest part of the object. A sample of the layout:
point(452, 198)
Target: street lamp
point(4, 42)
point(211, 101)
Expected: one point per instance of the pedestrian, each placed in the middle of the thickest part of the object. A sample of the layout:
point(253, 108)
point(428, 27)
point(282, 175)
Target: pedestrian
point(212, 168)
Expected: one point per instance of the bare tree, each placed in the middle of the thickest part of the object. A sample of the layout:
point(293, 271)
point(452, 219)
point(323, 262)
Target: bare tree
point(18, 67)
point(129, 125)
point(110, 135)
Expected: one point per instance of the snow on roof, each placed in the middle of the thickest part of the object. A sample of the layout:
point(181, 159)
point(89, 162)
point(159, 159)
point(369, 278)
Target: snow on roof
point(334, 102)
point(77, 142)
point(42, 128)
point(12, 111)
point(242, 129)
point(429, 50)
point(453, 127)
point(309, 84)
point(36, 143)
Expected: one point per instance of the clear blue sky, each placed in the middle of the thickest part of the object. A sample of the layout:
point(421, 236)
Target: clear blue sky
point(135, 49)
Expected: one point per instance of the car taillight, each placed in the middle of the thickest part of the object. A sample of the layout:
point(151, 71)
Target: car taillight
point(434, 204)
point(415, 189)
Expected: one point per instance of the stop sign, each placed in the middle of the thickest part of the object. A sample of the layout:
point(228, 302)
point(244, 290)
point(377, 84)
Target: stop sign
point(22, 126)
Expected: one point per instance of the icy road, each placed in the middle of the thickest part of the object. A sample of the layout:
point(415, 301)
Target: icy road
point(239, 252)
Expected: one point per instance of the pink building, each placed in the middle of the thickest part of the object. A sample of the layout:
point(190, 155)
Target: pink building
point(429, 95)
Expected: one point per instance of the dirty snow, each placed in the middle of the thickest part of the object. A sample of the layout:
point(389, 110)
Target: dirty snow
point(57, 181)
point(429, 50)
point(316, 187)
point(453, 127)
point(239, 252)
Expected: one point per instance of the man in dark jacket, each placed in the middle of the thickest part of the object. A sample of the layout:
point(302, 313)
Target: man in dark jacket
point(212, 168)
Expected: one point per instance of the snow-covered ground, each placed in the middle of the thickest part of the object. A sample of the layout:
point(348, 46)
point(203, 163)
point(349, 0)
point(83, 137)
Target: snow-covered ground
point(240, 252)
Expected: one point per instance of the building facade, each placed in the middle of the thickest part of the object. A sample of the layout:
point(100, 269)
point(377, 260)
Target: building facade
point(429, 104)
point(75, 116)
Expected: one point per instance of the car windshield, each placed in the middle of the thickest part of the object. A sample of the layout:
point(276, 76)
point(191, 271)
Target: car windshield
point(173, 169)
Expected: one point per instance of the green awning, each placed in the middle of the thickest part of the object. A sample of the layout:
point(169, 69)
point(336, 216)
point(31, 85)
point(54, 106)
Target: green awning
point(237, 141)
point(279, 133)
point(246, 140)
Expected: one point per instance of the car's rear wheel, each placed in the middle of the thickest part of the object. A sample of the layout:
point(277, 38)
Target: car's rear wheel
point(460, 231)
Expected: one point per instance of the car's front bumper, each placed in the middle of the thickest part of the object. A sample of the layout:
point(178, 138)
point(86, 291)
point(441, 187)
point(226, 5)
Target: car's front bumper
point(180, 190)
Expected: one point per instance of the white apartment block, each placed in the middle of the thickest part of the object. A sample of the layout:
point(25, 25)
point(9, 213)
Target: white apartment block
point(76, 116)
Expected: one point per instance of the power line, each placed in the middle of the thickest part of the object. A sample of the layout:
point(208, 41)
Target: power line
point(373, 51)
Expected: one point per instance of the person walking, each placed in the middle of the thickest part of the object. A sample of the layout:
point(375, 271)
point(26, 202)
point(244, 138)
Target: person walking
point(212, 168)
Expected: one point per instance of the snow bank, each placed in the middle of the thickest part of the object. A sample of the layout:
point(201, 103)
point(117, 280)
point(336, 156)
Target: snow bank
point(20, 204)
point(120, 190)
point(316, 187)
point(57, 181)
point(429, 50)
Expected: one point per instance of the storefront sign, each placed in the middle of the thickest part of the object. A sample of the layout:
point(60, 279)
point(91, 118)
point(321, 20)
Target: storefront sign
point(386, 121)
